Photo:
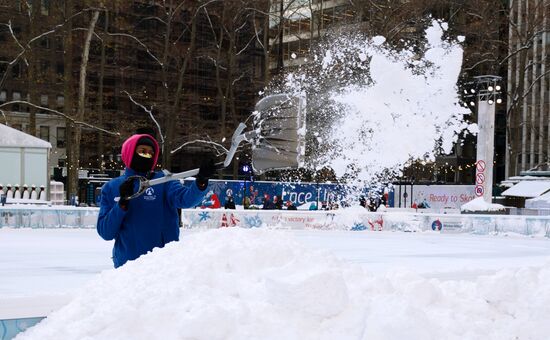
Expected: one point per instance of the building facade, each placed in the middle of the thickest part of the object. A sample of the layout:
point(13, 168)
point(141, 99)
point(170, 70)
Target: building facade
point(192, 67)
point(528, 86)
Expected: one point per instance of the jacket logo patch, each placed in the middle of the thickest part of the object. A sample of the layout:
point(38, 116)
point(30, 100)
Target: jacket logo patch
point(149, 194)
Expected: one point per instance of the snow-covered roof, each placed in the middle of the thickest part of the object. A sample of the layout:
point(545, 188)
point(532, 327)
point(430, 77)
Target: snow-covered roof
point(510, 182)
point(528, 189)
point(10, 137)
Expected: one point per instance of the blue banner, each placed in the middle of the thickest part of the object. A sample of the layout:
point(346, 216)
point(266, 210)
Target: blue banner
point(298, 194)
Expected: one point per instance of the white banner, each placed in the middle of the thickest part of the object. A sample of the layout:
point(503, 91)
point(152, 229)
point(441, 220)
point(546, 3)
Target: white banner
point(441, 197)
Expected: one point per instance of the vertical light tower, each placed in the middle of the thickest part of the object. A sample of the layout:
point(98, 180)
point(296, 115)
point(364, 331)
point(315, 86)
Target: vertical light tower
point(487, 92)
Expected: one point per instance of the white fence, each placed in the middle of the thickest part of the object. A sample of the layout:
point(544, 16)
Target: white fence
point(71, 217)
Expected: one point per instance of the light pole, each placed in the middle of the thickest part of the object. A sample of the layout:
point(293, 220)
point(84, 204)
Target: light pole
point(487, 91)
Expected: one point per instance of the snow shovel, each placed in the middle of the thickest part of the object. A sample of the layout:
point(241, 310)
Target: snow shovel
point(277, 138)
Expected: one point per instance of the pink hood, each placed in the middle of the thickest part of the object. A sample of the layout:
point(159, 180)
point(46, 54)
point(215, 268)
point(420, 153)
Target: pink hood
point(129, 149)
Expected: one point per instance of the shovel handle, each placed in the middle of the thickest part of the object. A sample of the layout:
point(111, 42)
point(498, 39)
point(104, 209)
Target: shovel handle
point(144, 183)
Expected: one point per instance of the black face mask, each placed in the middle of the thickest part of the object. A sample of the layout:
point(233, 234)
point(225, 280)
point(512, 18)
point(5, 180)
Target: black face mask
point(141, 164)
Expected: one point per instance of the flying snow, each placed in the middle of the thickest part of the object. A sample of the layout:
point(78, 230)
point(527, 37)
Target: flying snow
point(374, 108)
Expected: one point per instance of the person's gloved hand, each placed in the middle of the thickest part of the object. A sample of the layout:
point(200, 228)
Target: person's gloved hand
point(126, 189)
point(206, 171)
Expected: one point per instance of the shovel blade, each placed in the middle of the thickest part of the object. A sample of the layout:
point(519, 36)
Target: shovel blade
point(280, 124)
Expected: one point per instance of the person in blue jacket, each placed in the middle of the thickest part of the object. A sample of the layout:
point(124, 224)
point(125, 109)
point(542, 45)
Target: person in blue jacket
point(150, 220)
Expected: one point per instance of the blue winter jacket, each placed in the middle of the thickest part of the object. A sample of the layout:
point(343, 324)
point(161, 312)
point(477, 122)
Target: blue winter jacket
point(151, 219)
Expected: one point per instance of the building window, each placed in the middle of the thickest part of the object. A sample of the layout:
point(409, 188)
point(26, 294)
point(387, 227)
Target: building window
point(60, 69)
point(15, 95)
point(60, 101)
point(16, 71)
point(45, 133)
point(45, 42)
point(59, 43)
point(45, 7)
point(44, 66)
point(61, 137)
point(3, 96)
point(44, 100)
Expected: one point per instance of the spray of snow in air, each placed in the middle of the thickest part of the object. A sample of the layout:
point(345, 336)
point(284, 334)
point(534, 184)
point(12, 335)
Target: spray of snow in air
point(371, 109)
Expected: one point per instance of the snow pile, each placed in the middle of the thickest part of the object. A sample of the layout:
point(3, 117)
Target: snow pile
point(372, 109)
point(261, 284)
point(479, 204)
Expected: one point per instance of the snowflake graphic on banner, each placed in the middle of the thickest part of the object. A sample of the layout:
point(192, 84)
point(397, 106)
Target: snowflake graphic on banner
point(204, 216)
point(253, 221)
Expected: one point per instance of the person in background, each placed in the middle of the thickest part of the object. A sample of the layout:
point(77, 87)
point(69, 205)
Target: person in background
point(150, 220)
point(253, 195)
point(424, 204)
point(277, 202)
point(268, 204)
point(229, 201)
point(290, 206)
point(2, 195)
point(363, 201)
point(246, 202)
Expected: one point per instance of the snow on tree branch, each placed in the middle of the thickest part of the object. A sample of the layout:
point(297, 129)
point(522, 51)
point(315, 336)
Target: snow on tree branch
point(149, 112)
point(139, 42)
point(57, 27)
point(246, 46)
point(77, 122)
point(213, 144)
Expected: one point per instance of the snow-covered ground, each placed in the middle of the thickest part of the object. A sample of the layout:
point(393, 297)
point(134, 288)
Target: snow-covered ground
point(270, 284)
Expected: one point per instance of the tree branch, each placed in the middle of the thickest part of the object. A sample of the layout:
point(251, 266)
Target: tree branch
point(150, 112)
point(208, 142)
point(139, 42)
point(60, 114)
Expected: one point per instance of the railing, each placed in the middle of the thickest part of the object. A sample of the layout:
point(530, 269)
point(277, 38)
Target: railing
point(72, 217)
point(23, 216)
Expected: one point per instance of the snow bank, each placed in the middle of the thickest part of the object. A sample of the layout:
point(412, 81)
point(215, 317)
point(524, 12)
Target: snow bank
point(479, 204)
point(239, 283)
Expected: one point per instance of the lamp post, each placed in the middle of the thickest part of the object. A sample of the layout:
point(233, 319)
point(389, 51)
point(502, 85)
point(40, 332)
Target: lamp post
point(487, 91)
point(246, 170)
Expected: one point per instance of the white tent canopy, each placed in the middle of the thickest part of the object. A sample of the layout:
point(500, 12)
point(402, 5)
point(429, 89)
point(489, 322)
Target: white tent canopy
point(528, 189)
point(10, 137)
point(24, 158)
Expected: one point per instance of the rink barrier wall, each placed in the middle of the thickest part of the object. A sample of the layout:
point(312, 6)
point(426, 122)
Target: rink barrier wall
point(72, 217)
point(9, 328)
